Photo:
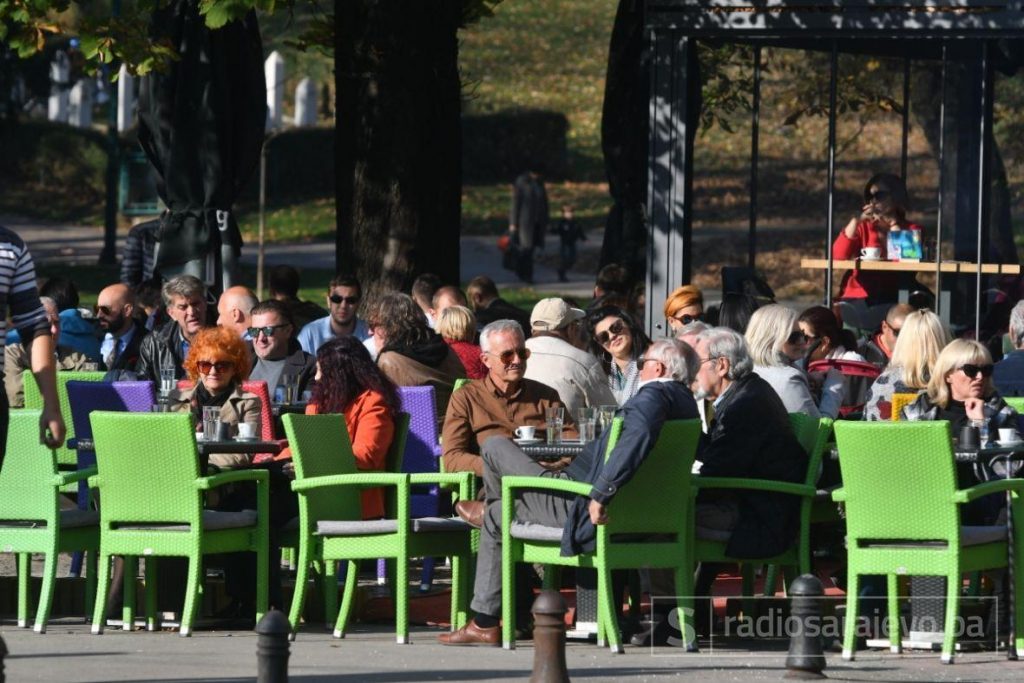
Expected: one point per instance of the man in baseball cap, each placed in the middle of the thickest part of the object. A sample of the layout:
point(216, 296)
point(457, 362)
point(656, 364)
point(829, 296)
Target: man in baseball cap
point(557, 360)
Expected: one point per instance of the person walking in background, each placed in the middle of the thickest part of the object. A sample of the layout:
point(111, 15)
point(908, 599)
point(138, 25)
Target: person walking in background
point(569, 232)
point(528, 220)
point(138, 260)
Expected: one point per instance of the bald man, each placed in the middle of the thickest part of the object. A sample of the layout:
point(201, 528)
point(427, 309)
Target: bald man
point(234, 310)
point(115, 311)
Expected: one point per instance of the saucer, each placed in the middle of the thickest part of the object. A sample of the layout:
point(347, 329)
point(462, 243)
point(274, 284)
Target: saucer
point(527, 442)
point(247, 438)
point(865, 258)
point(1015, 442)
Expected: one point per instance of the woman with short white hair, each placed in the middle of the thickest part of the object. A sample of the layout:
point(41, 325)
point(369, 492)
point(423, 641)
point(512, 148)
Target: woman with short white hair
point(776, 342)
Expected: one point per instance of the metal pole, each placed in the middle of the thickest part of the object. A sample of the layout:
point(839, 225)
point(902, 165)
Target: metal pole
point(263, 211)
point(982, 177)
point(755, 129)
point(549, 638)
point(108, 255)
point(942, 184)
point(832, 84)
point(906, 118)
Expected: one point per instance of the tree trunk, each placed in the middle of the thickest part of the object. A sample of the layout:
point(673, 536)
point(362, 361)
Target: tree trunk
point(399, 148)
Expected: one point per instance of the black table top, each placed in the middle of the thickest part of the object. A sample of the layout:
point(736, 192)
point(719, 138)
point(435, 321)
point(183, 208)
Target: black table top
point(544, 451)
point(205, 447)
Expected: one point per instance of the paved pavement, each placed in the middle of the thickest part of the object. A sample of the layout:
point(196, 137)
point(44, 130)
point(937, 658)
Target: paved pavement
point(68, 652)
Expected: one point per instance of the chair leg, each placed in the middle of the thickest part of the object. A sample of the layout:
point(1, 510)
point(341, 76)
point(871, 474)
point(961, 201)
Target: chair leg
point(188, 612)
point(262, 579)
point(382, 571)
point(606, 610)
point(401, 593)
point(153, 620)
point(895, 638)
point(850, 628)
point(99, 612)
point(46, 590)
point(952, 609)
point(299, 594)
point(131, 573)
point(747, 573)
point(347, 598)
point(771, 578)
point(684, 589)
point(24, 579)
point(329, 586)
point(460, 591)
point(427, 576)
point(90, 580)
point(508, 597)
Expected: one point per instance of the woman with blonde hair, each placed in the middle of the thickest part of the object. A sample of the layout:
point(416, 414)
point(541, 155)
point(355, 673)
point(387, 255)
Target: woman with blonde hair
point(921, 339)
point(684, 306)
point(775, 342)
point(457, 326)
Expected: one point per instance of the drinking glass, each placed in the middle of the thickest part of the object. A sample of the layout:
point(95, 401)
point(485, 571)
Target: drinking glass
point(607, 413)
point(982, 426)
point(211, 423)
point(555, 417)
point(90, 366)
point(586, 421)
point(291, 387)
point(167, 381)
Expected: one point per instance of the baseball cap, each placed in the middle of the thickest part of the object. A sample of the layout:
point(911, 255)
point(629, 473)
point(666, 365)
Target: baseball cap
point(553, 314)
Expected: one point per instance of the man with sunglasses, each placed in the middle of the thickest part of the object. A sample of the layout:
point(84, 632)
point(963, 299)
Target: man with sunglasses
point(123, 333)
point(275, 350)
point(878, 347)
point(343, 297)
point(498, 403)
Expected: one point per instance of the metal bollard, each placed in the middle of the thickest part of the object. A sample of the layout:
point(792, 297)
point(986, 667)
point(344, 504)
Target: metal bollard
point(549, 638)
point(3, 654)
point(272, 648)
point(806, 658)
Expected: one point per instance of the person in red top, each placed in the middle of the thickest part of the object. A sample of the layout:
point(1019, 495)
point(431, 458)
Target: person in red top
point(349, 382)
point(457, 326)
point(885, 208)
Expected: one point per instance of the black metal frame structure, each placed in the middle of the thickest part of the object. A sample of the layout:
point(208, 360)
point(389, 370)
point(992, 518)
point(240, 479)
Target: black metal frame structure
point(912, 29)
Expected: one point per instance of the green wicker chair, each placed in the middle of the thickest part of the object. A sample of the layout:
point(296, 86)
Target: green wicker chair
point(813, 434)
point(66, 457)
point(331, 525)
point(29, 494)
point(459, 383)
point(152, 506)
point(665, 477)
point(1015, 402)
point(902, 518)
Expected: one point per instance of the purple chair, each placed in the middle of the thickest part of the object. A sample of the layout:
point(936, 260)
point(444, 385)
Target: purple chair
point(85, 397)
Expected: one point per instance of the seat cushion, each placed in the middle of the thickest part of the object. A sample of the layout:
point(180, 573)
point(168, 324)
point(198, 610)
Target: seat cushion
point(979, 535)
point(74, 519)
point(213, 520)
point(425, 524)
point(356, 527)
point(529, 531)
point(704, 533)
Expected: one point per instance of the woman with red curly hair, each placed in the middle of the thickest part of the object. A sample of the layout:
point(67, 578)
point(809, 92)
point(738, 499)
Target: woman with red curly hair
point(218, 362)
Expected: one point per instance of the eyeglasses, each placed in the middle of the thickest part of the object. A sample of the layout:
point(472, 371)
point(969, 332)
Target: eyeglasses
point(617, 328)
point(879, 195)
point(506, 357)
point(973, 371)
point(267, 330)
point(895, 331)
point(797, 337)
point(104, 310)
point(708, 360)
point(641, 360)
point(350, 300)
point(220, 366)
point(686, 318)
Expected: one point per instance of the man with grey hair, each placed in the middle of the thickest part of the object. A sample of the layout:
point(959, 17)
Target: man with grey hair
point(498, 403)
point(166, 348)
point(1008, 374)
point(664, 394)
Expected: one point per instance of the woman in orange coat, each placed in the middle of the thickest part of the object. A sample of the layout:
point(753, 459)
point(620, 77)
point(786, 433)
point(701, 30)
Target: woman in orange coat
point(349, 382)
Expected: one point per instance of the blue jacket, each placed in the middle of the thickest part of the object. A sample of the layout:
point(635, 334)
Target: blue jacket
point(79, 334)
point(643, 415)
point(1008, 375)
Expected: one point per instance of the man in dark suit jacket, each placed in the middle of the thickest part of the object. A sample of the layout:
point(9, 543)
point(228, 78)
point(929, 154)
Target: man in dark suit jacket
point(488, 306)
point(115, 311)
point(666, 372)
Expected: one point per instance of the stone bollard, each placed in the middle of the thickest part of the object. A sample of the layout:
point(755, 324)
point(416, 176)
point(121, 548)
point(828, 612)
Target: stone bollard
point(806, 658)
point(549, 638)
point(272, 648)
point(3, 654)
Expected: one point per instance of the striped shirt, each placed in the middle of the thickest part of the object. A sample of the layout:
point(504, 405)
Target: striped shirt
point(18, 292)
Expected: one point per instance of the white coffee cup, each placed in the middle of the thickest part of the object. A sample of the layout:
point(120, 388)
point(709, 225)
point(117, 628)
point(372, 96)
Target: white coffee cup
point(1008, 435)
point(246, 430)
point(871, 253)
point(525, 432)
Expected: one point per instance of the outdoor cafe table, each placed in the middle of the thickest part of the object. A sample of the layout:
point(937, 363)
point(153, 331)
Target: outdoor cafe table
point(205, 448)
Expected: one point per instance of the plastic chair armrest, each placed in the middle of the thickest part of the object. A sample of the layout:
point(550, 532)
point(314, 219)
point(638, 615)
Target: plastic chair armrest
point(215, 480)
point(755, 485)
point(362, 479)
point(987, 488)
point(76, 476)
point(510, 484)
point(464, 480)
point(839, 495)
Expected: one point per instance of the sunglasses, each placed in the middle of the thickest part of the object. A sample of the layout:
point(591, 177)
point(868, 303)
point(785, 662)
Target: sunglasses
point(221, 366)
point(506, 357)
point(973, 371)
point(104, 310)
point(796, 337)
point(350, 300)
point(267, 330)
point(686, 318)
point(879, 195)
point(617, 328)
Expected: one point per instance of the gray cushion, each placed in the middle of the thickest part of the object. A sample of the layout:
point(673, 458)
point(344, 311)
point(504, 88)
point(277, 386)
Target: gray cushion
point(424, 524)
point(529, 531)
point(704, 533)
point(356, 528)
point(74, 519)
point(979, 535)
point(213, 520)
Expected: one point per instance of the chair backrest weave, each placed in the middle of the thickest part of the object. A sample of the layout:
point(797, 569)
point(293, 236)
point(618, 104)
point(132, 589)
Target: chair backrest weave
point(321, 447)
point(34, 400)
point(664, 479)
point(85, 397)
point(813, 434)
point(898, 480)
point(148, 466)
point(26, 480)
point(421, 446)
point(259, 387)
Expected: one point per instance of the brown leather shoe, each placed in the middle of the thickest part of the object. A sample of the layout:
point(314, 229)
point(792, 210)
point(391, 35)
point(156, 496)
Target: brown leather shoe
point(472, 511)
point(471, 634)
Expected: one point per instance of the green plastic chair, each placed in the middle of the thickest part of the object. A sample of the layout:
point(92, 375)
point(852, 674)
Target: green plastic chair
point(902, 518)
point(620, 543)
point(66, 457)
point(1015, 402)
point(813, 434)
point(31, 520)
point(331, 525)
point(152, 506)
point(459, 383)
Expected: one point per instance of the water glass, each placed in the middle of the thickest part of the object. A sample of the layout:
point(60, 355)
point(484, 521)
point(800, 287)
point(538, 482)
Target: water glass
point(555, 418)
point(607, 414)
point(586, 421)
point(982, 426)
point(211, 423)
point(167, 381)
point(90, 367)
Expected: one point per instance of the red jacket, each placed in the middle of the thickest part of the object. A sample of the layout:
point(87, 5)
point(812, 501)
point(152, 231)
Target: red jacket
point(865, 284)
